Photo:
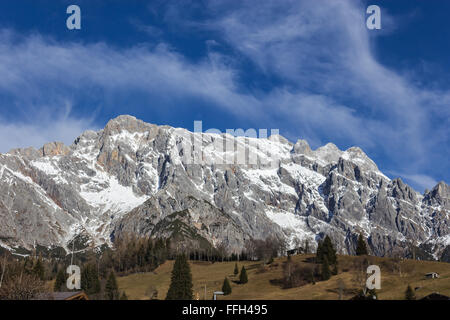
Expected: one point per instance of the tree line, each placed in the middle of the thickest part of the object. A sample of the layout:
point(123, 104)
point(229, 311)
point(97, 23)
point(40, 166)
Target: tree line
point(132, 254)
point(24, 278)
point(324, 265)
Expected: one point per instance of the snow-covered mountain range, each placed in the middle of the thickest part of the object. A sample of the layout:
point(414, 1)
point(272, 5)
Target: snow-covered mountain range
point(134, 177)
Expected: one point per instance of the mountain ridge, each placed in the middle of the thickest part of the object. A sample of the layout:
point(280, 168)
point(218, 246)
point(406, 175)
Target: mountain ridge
point(130, 176)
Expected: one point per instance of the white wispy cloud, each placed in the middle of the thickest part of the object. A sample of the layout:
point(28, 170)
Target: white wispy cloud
point(337, 87)
point(39, 75)
point(420, 181)
point(332, 88)
point(48, 125)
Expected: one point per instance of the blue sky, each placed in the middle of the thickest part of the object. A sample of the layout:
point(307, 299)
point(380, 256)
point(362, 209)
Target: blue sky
point(308, 68)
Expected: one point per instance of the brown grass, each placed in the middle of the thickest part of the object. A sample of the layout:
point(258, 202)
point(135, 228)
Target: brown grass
point(393, 285)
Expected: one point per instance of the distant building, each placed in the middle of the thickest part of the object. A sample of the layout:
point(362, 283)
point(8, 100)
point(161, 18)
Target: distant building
point(294, 251)
point(432, 275)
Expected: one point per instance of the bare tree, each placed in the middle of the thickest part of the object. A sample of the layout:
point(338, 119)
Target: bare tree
point(265, 250)
point(341, 289)
point(3, 270)
point(288, 267)
point(296, 275)
point(412, 249)
point(222, 251)
point(397, 258)
point(250, 249)
point(360, 265)
point(297, 244)
point(23, 287)
point(306, 247)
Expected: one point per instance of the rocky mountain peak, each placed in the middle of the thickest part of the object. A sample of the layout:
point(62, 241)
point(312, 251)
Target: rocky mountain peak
point(439, 195)
point(328, 153)
point(126, 123)
point(442, 189)
point(400, 190)
point(357, 155)
point(130, 177)
point(356, 152)
point(86, 137)
point(302, 147)
point(27, 153)
point(54, 149)
point(279, 138)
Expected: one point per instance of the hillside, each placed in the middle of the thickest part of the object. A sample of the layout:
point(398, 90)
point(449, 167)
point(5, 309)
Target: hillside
point(260, 287)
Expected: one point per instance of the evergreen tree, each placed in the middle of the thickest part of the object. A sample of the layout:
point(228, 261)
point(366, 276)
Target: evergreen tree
point(326, 255)
point(243, 276)
point(236, 270)
point(38, 269)
point(335, 269)
point(226, 287)
point(149, 256)
point(409, 293)
point(361, 248)
point(319, 252)
point(306, 247)
point(111, 288)
point(123, 296)
point(54, 269)
point(328, 251)
point(90, 282)
point(326, 273)
point(181, 281)
point(60, 281)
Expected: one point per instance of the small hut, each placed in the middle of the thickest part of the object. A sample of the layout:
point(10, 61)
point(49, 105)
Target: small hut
point(432, 275)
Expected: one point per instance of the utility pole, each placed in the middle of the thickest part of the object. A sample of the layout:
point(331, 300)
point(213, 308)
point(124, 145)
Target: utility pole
point(73, 245)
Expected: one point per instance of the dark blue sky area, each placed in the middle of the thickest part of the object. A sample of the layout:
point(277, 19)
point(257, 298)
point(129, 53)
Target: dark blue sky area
point(308, 68)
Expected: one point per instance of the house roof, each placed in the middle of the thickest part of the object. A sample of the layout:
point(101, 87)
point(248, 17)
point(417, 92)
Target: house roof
point(435, 296)
point(72, 295)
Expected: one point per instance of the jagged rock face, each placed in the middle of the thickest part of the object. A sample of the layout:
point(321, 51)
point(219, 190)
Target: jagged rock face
point(136, 177)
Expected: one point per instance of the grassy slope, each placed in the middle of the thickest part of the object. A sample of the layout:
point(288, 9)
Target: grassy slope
point(259, 287)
